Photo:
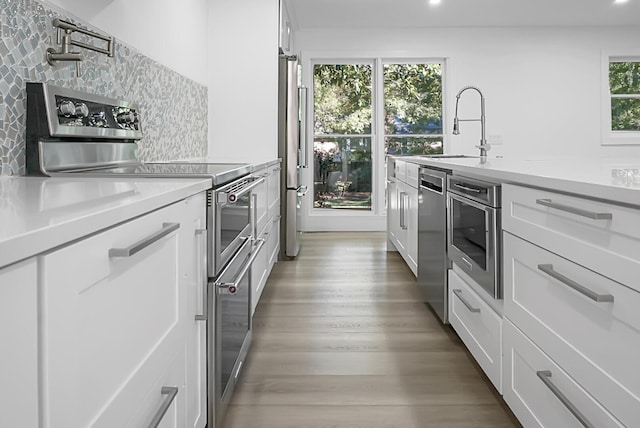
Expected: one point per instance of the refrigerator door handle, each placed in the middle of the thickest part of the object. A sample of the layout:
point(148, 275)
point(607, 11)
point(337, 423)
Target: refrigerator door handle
point(302, 121)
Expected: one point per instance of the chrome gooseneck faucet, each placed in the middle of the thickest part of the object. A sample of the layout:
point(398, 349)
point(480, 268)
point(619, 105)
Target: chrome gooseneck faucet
point(456, 122)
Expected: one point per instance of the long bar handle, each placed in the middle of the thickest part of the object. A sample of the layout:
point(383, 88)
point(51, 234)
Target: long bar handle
point(467, 188)
point(573, 210)
point(232, 287)
point(458, 293)
point(402, 222)
point(548, 269)
point(545, 377)
point(170, 392)
point(254, 183)
point(302, 131)
point(203, 268)
point(167, 228)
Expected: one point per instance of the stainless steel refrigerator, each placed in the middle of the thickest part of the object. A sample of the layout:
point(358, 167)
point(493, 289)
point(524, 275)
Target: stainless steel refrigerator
point(292, 149)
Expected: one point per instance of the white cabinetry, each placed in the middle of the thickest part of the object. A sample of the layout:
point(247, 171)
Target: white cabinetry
point(541, 394)
point(116, 310)
point(19, 338)
point(479, 327)
point(570, 275)
point(402, 220)
point(267, 200)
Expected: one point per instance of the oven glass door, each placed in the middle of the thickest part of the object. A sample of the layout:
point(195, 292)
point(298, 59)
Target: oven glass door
point(234, 217)
point(469, 231)
point(234, 322)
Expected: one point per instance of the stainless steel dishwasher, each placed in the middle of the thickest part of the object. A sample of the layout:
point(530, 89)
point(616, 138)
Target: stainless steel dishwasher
point(432, 239)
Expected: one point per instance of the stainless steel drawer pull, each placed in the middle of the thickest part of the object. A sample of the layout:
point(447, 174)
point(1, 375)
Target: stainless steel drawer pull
point(464, 301)
point(167, 228)
point(545, 377)
point(573, 210)
point(170, 392)
point(548, 269)
point(468, 189)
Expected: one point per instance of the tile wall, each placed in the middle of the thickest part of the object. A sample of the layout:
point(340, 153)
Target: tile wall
point(173, 108)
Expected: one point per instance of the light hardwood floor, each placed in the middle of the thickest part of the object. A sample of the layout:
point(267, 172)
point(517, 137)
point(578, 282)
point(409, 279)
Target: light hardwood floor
point(341, 340)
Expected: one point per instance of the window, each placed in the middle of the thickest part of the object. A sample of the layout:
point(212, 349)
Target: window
point(413, 108)
point(363, 110)
point(343, 102)
point(621, 99)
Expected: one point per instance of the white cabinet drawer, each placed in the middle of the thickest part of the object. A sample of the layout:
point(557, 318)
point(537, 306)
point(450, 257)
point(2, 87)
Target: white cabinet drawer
point(561, 224)
point(596, 342)
point(479, 327)
point(401, 170)
point(534, 402)
point(412, 174)
point(273, 244)
point(110, 325)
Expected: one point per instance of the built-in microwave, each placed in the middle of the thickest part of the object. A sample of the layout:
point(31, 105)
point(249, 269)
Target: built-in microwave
point(473, 231)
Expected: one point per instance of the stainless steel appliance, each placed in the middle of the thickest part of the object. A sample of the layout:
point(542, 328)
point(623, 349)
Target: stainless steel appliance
point(74, 133)
point(433, 262)
point(292, 149)
point(473, 227)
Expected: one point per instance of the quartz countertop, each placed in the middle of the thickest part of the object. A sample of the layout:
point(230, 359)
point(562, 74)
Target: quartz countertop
point(41, 213)
point(611, 179)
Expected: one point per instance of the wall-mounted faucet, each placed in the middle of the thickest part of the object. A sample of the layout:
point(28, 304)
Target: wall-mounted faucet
point(456, 122)
point(64, 30)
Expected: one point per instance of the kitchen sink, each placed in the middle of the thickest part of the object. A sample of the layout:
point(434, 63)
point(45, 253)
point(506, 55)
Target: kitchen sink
point(447, 156)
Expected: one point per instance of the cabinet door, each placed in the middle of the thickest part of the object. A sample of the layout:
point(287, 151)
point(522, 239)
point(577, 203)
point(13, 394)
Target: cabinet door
point(261, 204)
point(112, 333)
point(411, 219)
point(193, 265)
point(19, 338)
point(273, 192)
point(393, 212)
point(401, 227)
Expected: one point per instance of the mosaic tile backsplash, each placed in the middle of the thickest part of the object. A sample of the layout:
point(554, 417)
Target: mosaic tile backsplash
point(173, 108)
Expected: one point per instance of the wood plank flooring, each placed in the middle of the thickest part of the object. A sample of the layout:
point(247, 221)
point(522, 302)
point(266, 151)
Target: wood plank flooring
point(341, 340)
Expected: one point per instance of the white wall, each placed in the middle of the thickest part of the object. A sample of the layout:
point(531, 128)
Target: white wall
point(243, 80)
point(173, 33)
point(542, 85)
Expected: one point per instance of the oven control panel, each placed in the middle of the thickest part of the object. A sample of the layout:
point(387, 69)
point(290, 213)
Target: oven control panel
point(78, 113)
point(55, 112)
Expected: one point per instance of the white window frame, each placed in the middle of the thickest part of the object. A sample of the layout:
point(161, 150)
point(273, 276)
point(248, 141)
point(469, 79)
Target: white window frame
point(609, 137)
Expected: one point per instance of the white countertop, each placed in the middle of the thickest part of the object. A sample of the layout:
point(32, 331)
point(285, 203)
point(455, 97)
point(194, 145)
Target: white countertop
point(612, 179)
point(40, 213)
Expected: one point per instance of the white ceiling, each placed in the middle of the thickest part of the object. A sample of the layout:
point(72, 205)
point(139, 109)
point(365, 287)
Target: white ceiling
point(386, 14)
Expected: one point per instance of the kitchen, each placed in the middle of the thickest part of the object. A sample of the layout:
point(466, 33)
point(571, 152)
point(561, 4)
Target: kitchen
point(523, 69)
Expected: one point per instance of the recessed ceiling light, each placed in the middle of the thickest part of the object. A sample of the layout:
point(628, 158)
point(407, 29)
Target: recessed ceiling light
point(436, 2)
point(620, 1)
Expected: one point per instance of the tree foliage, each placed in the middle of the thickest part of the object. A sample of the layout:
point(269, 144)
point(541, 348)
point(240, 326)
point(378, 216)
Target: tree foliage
point(413, 98)
point(342, 98)
point(624, 79)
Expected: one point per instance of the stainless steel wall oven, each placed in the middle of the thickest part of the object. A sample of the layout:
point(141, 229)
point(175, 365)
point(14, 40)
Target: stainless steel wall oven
point(473, 226)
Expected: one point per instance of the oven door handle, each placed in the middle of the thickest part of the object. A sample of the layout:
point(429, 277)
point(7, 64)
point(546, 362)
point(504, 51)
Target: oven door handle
point(233, 196)
point(232, 287)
